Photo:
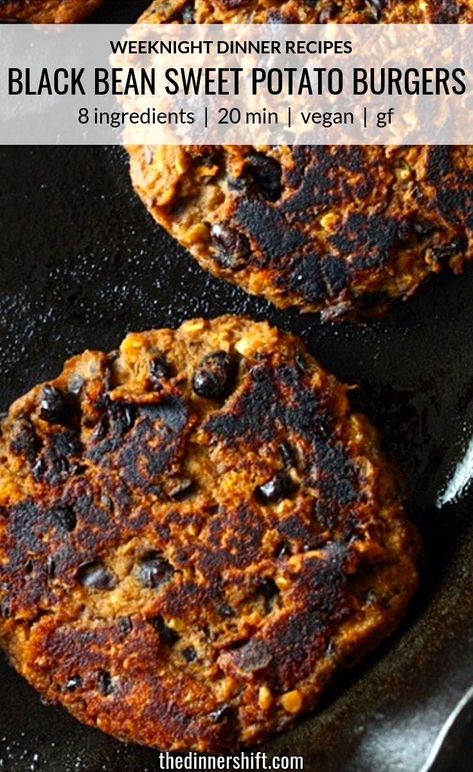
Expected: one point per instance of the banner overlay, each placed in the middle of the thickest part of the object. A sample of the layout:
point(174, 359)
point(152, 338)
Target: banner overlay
point(236, 84)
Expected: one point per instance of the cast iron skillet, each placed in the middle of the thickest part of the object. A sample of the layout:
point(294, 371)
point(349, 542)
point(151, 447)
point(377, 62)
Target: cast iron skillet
point(81, 264)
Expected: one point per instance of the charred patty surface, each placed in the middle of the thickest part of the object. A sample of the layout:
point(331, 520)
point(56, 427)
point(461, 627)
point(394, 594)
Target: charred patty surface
point(47, 11)
point(338, 230)
point(196, 532)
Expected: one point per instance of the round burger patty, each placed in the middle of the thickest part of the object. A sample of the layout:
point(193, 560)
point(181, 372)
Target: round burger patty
point(340, 230)
point(196, 533)
point(47, 11)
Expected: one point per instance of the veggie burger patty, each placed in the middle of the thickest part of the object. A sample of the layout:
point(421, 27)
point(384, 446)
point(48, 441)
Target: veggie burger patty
point(196, 533)
point(340, 230)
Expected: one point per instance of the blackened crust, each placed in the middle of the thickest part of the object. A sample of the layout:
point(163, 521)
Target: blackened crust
point(188, 570)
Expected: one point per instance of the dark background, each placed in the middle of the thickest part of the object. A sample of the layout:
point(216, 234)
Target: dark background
point(81, 264)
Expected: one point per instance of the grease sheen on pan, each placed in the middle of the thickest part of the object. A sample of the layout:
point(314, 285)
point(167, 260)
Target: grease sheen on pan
point(47, 11)
point(341, 230)
point(196, 534)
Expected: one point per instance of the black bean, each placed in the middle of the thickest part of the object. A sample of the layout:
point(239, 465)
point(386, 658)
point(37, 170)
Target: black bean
point(189, 654)
point(105, 682)
point(154, 569)
point(376, 7)
point(276, 488)
point(283, 550)
point(167, 634)
point(214, 377)
point(125, 625)
point(223, 713)
point(66, 517)
point(55, 406)
point(96, 576)
point(77, 469)
point(159, 369)
point(225, 610)
point(187, 14)
point(51, 567)
point(232, 247)
point(39, 469)
point(182, 489)
point(73, 683)
point(268, 588)
point(266, 172)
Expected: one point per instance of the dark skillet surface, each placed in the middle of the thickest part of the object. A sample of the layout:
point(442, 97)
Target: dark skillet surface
point(81, 264)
